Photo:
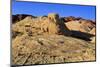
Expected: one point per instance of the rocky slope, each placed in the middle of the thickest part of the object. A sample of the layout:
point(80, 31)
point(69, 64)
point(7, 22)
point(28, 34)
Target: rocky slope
point(52, 39)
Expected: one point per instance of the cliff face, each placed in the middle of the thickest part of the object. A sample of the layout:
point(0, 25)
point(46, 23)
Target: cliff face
point(52, 39)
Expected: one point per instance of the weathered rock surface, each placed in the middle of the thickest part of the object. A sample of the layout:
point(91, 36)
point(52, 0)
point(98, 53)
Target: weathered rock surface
point(51, 24)
point(19, 17)
point(93, 39)
point(93, 31)
point(50, 49)
point(80, 25)
point(50, 39)
point(81, 28)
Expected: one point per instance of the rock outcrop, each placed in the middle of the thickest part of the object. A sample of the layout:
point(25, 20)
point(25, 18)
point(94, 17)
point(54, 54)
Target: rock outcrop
point(51, 24)
point(80, 25)
point(19, 17)
point(52, 39)
point(81, 28)
point(48, 49)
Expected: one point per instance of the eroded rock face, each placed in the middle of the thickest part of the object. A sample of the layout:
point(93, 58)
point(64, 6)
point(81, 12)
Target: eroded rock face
point(53, 17)
point(81, 28)
point(49, 39)
point(87, 25)
point(73, 25)
point(51, 25)
point(80, 25)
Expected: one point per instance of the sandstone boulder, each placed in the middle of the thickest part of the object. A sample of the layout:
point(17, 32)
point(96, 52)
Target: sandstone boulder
point(49, 26)
point(80, 25)
point(53, 17)
point(87, 25)
point(80, 29)
point(73, 25)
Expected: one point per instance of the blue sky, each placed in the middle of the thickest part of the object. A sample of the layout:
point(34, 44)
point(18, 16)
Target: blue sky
point(40, 9)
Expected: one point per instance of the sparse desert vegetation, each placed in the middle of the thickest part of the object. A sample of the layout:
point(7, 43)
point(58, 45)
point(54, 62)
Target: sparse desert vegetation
point(52, 39)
